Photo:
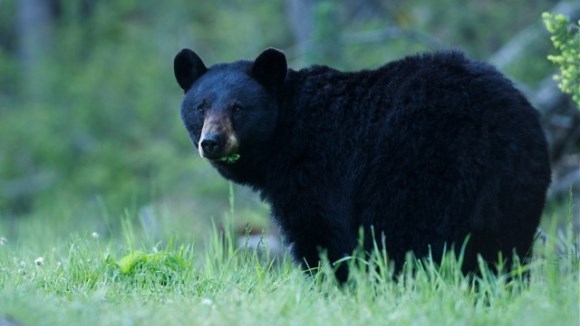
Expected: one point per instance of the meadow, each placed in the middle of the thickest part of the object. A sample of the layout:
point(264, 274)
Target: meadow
point(72, 275)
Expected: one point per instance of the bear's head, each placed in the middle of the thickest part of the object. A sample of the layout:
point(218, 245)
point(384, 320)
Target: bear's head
point(230, 110)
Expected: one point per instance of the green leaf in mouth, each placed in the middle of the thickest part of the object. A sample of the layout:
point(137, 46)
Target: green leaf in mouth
point(230, 159)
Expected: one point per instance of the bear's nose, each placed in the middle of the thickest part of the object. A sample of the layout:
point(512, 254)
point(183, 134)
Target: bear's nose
point(211, 146)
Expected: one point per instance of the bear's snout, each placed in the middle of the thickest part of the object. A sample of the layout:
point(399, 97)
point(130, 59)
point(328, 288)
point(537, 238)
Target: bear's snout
point(212, 146)
point(218, 139)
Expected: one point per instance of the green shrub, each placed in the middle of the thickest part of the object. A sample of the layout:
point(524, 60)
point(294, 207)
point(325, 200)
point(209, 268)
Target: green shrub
point(566, 39)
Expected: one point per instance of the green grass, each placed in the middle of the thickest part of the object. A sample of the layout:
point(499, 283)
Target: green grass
point(188, 281)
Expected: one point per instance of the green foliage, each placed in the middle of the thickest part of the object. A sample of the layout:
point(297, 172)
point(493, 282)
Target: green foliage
point(104, 122)
point(96, 129)
point(566, 39)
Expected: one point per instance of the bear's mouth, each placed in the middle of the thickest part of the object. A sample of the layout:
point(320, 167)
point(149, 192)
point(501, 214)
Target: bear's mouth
point(225, 160)
point(230, 159)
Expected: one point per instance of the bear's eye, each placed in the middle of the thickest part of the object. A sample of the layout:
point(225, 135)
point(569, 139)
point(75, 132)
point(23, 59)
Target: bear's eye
point(201, 108)
point(237, 108)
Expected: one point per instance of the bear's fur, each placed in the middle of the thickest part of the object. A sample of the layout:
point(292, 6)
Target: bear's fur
point(424, 151)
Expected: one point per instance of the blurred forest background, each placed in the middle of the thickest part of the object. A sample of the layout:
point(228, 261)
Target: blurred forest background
point(89, 122)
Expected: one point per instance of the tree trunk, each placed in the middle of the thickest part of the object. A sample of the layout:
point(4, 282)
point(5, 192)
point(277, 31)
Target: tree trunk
point(316, 28)
point(34, 28)
point(300, 15)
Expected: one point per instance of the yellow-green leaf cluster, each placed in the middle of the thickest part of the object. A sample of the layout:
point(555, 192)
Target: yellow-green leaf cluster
point(566, 39)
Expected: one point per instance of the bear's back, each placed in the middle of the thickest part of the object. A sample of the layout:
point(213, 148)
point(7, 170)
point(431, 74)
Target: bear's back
point(440, 102)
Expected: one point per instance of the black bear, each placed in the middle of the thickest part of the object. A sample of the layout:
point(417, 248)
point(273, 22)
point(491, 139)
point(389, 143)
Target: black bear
point(422, 152)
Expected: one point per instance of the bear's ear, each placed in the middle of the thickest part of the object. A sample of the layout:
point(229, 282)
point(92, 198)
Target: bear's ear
point(187, 67)
point(270, 68)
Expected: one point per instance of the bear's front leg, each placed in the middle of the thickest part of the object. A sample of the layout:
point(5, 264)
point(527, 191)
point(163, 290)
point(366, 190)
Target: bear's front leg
point(335, 242)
